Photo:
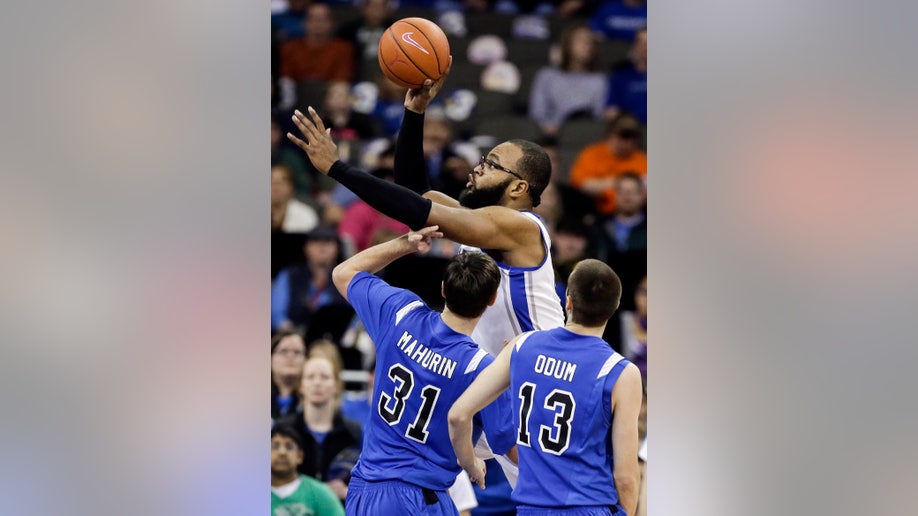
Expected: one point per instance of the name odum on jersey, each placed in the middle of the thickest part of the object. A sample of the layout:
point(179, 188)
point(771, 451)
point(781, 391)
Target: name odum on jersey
point(555, 367)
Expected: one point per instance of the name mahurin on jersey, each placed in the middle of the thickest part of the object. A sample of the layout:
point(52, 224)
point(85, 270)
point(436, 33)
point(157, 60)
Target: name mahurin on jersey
point(425, 356)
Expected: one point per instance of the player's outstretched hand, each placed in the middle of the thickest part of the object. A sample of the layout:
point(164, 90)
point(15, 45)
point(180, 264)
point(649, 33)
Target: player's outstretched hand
point(318, 144)
point(417, 99)
point(420, 240)
point(477, 473)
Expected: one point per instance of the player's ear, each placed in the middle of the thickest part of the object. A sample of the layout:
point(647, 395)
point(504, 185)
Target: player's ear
point(519, 188)
point(442, 290)
point(493, 299)
point(568, 305)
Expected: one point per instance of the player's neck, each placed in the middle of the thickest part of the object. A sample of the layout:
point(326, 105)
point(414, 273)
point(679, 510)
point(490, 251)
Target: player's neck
point(459, 324)
point(592, 331)
point(519, 205)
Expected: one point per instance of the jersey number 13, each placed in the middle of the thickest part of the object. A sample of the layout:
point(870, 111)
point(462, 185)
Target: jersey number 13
point(556, 438)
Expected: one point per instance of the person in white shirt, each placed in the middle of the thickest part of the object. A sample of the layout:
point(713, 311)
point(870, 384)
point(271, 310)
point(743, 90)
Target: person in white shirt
point(287, 213)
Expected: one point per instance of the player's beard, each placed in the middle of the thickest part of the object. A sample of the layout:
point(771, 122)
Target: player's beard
point(484, 196)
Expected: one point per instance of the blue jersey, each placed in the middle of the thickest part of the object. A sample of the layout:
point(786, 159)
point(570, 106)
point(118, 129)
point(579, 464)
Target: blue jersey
point(562, 384)
point(422, 367)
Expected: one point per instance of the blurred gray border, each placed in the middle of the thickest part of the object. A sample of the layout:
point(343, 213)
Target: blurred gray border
point(781, 257)
point(135, 258)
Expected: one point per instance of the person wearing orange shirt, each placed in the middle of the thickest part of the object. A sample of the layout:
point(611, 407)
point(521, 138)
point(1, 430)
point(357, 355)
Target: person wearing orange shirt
point(319, 56)
point(598, 166)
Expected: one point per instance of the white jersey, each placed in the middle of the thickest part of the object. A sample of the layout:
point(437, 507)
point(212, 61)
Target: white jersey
point(526, 300)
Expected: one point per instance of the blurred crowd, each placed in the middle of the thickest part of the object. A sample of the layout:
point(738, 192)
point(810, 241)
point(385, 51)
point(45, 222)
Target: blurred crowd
point(567, 74)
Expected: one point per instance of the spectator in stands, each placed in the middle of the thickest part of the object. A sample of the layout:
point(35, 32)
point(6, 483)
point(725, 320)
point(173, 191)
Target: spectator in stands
point(325, 433)
point(574, 88)
point(340, 198)
point(626, 229)
point(389, 108)
point(291, 492)
point(551, 209)
point(628, 83)
point(318, 56)
point(284, 154)
point(348, 127)
point(358, 405)
point(300, 290)
point(447, 170)
point(360, 221)
point(288, 354)
point(287, 24)
point(287, 213)
point(620, 19)
point(598, 166)
point(346, 124)
point(569, 246)
point(634, 326)
point(364, 32)
point(328, 349)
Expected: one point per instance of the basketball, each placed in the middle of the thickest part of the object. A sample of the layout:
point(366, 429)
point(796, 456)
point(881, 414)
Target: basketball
point(413, 50)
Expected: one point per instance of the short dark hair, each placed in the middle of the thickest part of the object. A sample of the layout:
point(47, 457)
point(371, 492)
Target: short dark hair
point(287, 430)
point(469, 283)
point(595, 292)
point(535, 166)
point(624, 126)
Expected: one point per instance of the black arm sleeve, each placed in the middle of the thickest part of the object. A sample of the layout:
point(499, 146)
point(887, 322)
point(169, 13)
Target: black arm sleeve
point(410, 165)
point(389, 199)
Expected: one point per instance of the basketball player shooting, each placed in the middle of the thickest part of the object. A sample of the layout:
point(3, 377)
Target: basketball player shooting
point(492, 214)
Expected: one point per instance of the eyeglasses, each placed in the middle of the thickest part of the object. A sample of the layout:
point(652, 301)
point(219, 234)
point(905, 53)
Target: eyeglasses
point(485, 161)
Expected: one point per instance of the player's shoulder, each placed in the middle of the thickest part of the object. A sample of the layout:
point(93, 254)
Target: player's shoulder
point(467, 351)
point(522, 338)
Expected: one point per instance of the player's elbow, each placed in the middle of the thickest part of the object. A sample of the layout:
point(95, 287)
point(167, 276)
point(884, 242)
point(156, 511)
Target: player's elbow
point(457, 418)
point(627, 482)
point(341, 276)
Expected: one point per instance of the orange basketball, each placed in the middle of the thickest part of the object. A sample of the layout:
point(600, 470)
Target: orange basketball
point(413, 50)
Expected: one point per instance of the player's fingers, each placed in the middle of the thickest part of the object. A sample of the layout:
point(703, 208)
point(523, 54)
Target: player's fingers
point(304, 125)
point(299, 143)
point(317, 120)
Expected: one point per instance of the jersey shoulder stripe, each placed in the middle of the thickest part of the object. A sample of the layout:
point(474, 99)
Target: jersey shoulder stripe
point(405, 310)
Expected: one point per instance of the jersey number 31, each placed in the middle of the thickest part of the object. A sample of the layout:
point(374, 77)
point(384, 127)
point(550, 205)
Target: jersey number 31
point(404, 379)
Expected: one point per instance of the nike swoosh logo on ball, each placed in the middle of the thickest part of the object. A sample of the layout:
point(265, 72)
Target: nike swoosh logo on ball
point(406, 37)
